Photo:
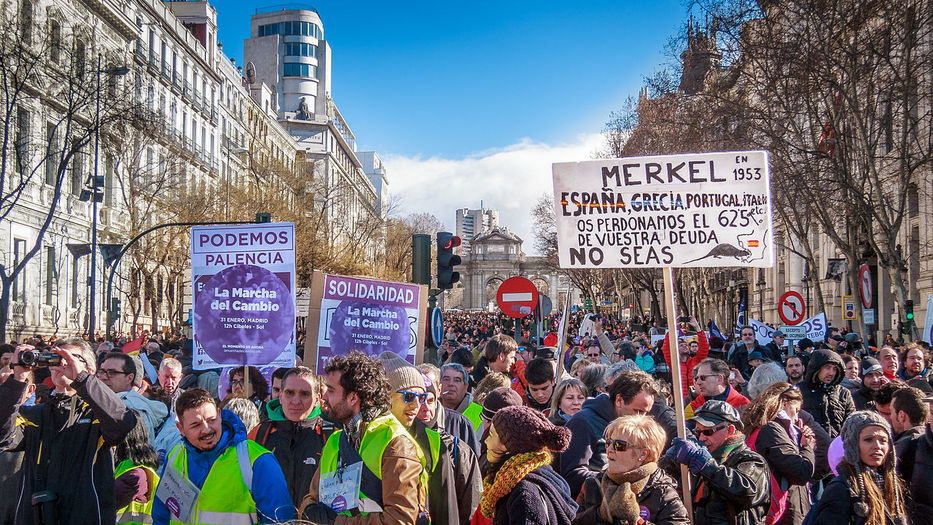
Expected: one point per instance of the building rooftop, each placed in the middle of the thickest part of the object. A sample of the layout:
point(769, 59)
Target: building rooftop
point(285, 7)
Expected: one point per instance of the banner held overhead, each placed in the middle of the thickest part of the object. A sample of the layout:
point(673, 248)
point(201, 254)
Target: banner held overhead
point(686, 211)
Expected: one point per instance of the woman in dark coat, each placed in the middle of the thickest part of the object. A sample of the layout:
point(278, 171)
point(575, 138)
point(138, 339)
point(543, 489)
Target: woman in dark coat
point(868, 490)
point(774, 430)
point(521, 487)
point(632, 487)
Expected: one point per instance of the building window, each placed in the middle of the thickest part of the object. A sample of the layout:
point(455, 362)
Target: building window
point(74, 281)
point(51, 158)
point(21, 144)
point(26, 21)
point(77, 171)
point(51, 276)
point(80, 59)
point(300, 50)
point(18, 289)
point(108, 179)
point(291, 28)
point(55, 41)
point(300, 70)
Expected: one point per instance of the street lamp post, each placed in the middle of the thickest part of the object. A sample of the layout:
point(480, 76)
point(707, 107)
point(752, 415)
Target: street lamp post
point(761, 294)
point(95, 195)
point(237, 150)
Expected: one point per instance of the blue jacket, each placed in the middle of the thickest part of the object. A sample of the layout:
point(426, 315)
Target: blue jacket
point(269, 489)
point(585, 457)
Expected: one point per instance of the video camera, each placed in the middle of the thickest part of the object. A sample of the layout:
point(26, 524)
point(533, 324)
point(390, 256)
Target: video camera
point(33, 359)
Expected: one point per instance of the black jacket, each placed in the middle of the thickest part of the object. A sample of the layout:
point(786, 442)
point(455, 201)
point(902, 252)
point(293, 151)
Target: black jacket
point(75, 435)
point(442, 493)
point(739, 357)
point(738, 491)
point(296, 445)
point(585, 457)
point(659, 501)
point(837, 506)
point(792, 465)
point(468, 479)
point(864, 398)
point(915, 463)
point(830, 404)
point(540, 498)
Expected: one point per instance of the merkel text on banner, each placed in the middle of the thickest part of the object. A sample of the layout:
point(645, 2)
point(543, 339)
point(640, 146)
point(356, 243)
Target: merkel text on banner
point(692, 210)
point(243, 288)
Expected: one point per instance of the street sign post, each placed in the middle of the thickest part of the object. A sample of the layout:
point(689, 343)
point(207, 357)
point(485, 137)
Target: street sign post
point(795, 332)
point(791, 308)
point(868, 314)
point(437, 327)
point(517, 297)
point(864, 285)
point(848, 308)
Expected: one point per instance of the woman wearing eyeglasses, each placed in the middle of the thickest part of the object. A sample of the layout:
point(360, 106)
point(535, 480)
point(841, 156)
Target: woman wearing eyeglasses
point(632, 489)
point(774, 429)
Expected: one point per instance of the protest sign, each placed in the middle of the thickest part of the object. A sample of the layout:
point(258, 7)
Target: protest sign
point(686, 211)
point(815, 327)
point(354, 313)
point(243, 289)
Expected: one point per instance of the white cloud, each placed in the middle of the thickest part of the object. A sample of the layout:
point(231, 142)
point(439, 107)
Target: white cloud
point(509, 179)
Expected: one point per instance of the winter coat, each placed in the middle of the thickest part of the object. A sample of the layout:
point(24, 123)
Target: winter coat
point(863, 397)
point(540, 498)
point(792, 465)
point(645, 362)
point(837, 505)
point(731, 396)
point(74, 436)
point(468, 479)
point(442, 492)
point(915, 462)
point(269, 491)
point(153, 413)
point(297, 446)
point(773, 352)
point(401, 497)
point(830, 404)
point(659, 501)
point(457, 425)
point(737, 491)
point(738, 357)
point(585, 457)
point(686, 368)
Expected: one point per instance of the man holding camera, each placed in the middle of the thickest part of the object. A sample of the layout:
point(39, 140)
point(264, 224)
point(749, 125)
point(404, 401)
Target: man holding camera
point(68, 466)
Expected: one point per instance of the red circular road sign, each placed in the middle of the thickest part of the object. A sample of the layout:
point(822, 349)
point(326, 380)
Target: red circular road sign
point(864, 285)
point(517, 297)
point(791, 308)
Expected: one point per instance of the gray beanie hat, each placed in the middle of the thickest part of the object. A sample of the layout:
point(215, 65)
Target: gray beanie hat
point(401, 374)
point(851, 429)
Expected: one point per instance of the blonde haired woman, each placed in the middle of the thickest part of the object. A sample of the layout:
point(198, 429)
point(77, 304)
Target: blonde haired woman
point(632, 487)
point(567, 400)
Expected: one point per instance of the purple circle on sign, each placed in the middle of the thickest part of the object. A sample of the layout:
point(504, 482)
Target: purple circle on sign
point(244, 315)
point(370, 328)
point(339, 504)
point(173, 506)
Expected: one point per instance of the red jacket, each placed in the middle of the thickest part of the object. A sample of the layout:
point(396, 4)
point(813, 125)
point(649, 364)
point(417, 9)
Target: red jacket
point(734, 398)
point(686, 369)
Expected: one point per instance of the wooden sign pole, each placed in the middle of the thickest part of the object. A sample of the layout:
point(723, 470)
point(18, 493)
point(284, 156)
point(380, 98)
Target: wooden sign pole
point(676, 379)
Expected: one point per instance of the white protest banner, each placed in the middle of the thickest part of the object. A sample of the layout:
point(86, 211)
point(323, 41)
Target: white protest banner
point(815, 326)
point(686, 211)
point(243, 289)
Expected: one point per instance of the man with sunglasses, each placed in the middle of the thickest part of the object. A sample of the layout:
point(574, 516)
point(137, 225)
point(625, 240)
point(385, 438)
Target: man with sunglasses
point(409, 394)
point(374, 448)
point(68, 465)
point(732, 481)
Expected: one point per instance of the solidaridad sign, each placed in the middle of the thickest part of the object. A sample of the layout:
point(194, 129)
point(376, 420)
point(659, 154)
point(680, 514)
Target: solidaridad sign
point(692, 210)
point(243, 286)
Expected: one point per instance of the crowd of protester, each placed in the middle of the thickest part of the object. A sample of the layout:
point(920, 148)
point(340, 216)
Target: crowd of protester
point(508, 425)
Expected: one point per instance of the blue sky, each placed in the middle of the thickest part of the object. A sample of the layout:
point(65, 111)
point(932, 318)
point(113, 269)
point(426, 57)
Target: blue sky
point(460, 82)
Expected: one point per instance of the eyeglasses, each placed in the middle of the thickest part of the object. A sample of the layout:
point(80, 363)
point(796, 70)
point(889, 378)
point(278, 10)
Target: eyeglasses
point(109, 372)
point(620, 445)
point(710, 431)
point(410, 397)
point(236, 382)
point(698, 377)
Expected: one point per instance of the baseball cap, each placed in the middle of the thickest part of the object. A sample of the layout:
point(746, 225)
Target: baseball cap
point(852, 337)
point(777, 333)
point(546, 352)
point(714, 412)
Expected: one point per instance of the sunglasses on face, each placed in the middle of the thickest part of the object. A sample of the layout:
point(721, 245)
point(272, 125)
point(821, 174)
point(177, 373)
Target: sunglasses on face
point(410, 397)
point(620, 445)
point(710, 431)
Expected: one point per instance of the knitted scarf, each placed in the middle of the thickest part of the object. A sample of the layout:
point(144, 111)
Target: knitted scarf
point(501, 482)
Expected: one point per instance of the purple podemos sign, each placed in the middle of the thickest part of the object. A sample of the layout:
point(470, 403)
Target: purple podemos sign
point(369, 316)
point(243, 289)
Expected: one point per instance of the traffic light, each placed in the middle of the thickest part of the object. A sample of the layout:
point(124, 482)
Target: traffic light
point(263, 217)
point(421, 258)
point(446, 260)
point(114, 308)
point(909, 310)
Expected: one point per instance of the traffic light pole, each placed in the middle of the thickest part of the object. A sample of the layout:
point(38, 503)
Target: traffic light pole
point(127, 246)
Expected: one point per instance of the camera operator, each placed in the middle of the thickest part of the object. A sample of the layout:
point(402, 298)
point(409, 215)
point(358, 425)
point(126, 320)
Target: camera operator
point(68, 466)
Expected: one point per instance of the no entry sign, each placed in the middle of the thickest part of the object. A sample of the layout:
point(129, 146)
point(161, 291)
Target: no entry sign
point(791, 308)
point(864, 285)
point(517, 297)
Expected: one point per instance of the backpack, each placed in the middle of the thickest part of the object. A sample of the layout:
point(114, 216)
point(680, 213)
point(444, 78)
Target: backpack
point(778, 495)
